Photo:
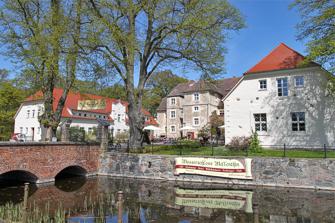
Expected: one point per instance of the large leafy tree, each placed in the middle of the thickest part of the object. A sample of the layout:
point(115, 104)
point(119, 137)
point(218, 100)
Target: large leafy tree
point(10, 100)
point(135, 38)
point(318, 28)
point(159, 86)
point(43, 36)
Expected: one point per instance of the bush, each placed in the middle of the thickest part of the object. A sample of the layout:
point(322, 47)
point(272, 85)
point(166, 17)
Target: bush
point(77, 134)
point(239, 143)
point(255, 143)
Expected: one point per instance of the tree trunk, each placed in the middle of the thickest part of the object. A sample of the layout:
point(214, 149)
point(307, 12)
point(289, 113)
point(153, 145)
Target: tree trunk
point(136, 124)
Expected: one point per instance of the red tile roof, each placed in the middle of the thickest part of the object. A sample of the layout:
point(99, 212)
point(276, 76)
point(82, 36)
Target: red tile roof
point(72, 103)
point(282, 57)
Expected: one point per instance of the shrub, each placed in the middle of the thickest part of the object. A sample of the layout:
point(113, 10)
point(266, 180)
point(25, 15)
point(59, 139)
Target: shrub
point(255, 143)
point(239, 143)
point(77, 134)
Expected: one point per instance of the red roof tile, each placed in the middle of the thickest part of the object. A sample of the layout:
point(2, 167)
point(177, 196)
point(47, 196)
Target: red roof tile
point(282, 57)
point(74, 97)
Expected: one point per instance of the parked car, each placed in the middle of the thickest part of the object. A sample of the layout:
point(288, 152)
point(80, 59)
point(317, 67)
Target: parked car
point(18, 137)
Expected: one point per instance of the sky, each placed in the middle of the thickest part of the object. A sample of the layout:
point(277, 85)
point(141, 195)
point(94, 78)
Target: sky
point(268, 23)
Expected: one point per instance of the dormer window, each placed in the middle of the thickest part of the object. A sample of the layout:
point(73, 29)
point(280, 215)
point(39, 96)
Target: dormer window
point(196, 96)
point(262, 85)
point(173, 101)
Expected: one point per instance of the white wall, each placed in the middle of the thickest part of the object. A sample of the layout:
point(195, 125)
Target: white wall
point(312, 99)
point(27, 124)
point(119, 110)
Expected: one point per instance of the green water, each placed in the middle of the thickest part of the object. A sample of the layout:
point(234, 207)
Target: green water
point(79, 200)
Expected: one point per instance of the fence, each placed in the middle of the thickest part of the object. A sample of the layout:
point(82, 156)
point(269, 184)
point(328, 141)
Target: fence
point(184, 148)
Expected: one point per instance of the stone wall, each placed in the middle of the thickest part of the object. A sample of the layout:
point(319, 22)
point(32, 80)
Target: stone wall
point(275, 172)
point(46, 160)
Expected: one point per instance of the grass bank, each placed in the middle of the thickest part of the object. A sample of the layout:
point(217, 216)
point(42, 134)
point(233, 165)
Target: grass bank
point(195, 149)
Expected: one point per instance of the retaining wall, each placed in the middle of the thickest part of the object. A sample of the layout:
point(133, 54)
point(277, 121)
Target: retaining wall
point(275, 172)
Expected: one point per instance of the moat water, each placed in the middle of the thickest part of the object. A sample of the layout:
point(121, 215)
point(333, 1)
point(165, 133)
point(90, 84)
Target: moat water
point(80, 200)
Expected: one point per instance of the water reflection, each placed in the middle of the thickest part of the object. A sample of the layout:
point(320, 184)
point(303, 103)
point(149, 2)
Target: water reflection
point(97, 200)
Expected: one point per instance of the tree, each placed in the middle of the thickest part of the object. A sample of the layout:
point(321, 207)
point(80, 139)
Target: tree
point(3, 75)
point(215, 122)
point(319, 29)
point(10, 100)
point(161, 83)
point(44, 36)
point(159, 86)
point(143, 36)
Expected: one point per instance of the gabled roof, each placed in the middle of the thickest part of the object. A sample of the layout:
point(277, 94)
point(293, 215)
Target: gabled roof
point(221, 87)
point(73, 99)
point(282, 57)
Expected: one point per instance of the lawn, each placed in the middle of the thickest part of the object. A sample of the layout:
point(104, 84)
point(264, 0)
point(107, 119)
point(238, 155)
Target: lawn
point(196, 149)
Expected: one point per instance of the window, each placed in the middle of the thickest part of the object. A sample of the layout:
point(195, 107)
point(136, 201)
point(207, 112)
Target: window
point(262, 85)
point(196, 108)
point(85, 114)
point(79, 114)
point(21, 130)
point(173, 114)
point(196, 96)
point(196, 121)
point(28, 113)
point(119, 117)
point(260, 122)
point(90, 130)
point(173, 101)
point(33, 113)
point(173, 128)
point(299, 81)
point(298, 121)
point(221, 112)
point(38, 112)
point(282, 86)
point(26, 131)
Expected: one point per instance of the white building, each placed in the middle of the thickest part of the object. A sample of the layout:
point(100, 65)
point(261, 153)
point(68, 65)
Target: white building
point(285, 102)
point(82, 109)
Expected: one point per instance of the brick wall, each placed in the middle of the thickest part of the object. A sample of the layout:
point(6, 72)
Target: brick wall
point(46, 160)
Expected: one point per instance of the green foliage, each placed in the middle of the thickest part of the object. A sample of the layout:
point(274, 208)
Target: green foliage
point(255, 146)
point(10, 100)
point(216, 121)
point(205, 132)
point(77, 134)
point(317, 27)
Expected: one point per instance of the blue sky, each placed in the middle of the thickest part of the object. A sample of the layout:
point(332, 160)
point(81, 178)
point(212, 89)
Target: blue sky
point(269, 22)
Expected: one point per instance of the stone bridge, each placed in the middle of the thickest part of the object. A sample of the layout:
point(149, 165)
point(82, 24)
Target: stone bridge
point(43, 162)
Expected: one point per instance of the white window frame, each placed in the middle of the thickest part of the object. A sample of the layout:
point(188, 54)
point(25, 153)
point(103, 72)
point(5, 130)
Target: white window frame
point(175, 114)
point(119, 117)
point(282, 87)
point(174, 128)
point(300, 85)
point(173, 101)
point(261, 122)
point(33, 113)
point(261, 85)
point(196, 96)
point(299, 121)
point(194, 118)
point(196, 110)
point(28, 114)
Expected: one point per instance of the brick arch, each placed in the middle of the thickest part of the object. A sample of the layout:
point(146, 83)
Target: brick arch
point(46, 160)
point(19, 175)
point(74, 170)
